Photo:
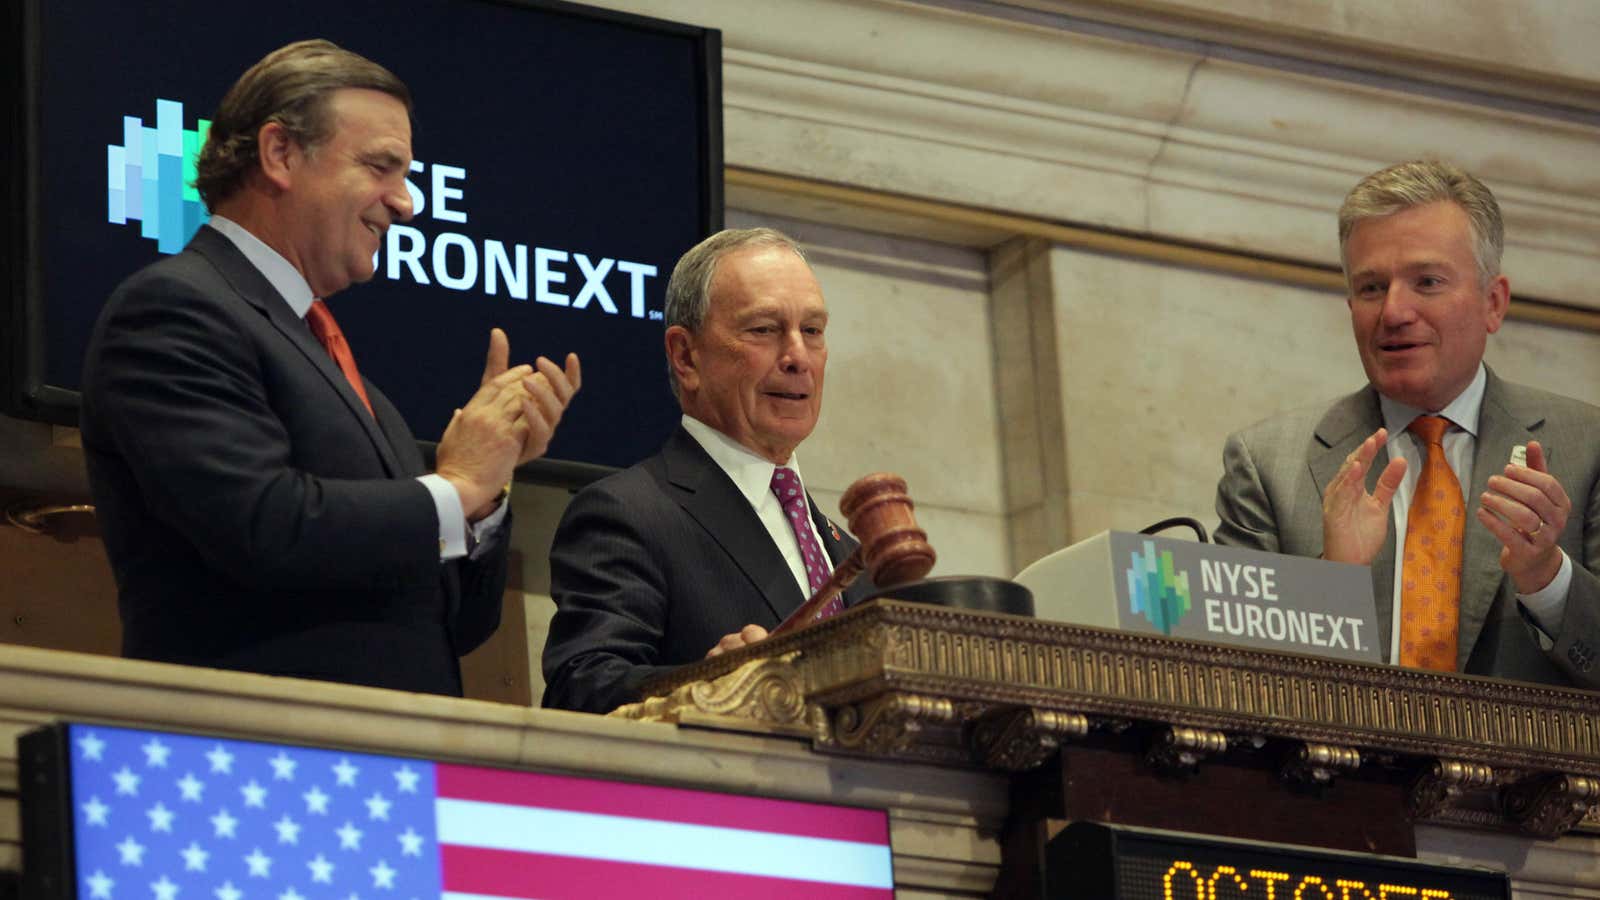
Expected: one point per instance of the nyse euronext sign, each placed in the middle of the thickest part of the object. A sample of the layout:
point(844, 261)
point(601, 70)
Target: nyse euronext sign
point(150, 178)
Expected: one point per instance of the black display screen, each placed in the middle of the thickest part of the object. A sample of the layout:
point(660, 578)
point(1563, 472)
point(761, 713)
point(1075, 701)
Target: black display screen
point(1113, 862)
point(564, 159)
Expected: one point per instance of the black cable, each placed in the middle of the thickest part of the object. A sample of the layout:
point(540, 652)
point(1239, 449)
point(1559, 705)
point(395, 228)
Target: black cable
point(1164, 524)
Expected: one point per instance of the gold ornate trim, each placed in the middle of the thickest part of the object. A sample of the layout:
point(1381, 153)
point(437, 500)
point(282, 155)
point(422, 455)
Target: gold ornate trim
point(1002, 692)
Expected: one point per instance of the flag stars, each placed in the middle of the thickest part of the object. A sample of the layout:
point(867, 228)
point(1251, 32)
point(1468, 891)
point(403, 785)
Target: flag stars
point(345, 773)
point(160, 818)
point(95, 812)
point(259, 863)
point(190, 788)
point(410, 843)
point(321, 870)
point(282, 767)
point(156, 753)
point(288, 830)
point(382, 875)
point(164, 889)
point(405, 779)
point(316, 801)
point(349, 837)
point(254, 794)
point(224, 825)
point(194, 857)
point(131, 852)
point(228, 892)
point(127, 782)
point(92, 747)
point(221, 760)
point(100, 885)
point(378, 807)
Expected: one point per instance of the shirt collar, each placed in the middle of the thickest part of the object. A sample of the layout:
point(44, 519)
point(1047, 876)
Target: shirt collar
point(280, 273)
point(750, 473)
point(1462, 412)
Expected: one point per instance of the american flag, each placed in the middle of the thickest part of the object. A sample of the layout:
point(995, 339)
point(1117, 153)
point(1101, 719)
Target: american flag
point(179, 817)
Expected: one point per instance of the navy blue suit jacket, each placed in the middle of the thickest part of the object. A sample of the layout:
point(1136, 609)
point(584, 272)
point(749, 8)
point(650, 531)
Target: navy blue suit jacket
point(650, 567)
point(257, 517)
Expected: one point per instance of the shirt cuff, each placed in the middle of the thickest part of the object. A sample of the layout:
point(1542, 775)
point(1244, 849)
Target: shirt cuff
point(485, 528)
point(1548, 604)
point(452, 520)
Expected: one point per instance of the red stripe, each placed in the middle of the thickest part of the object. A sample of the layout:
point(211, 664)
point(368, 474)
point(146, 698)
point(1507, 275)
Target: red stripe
point(665, 804)
point(503, 873)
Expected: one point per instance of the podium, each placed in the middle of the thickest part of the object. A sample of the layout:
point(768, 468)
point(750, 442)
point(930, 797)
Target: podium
point(1138, 729)
point(981, 734)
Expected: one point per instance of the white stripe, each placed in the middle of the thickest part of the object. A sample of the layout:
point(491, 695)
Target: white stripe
point(457, 895)
point(654, 842)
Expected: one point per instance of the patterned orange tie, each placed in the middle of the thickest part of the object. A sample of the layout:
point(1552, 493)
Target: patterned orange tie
point(327, 331)
point(1430, 597)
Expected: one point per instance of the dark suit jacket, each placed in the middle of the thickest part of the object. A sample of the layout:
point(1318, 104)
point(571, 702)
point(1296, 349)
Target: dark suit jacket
point(1270, 498)
point(256, 516)
point(652, 566)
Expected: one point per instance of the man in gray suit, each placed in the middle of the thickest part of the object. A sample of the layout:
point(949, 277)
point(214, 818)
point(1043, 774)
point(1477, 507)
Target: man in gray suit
point(1520, 589)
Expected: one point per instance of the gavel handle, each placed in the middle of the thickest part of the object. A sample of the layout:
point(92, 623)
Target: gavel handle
point(845, 573)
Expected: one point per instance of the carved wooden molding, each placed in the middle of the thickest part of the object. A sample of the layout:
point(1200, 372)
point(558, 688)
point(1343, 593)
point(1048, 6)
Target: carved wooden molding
point(1312, 763)
point(1442, 780)
point(1181, 749)
point(916, 682)
point(1550, 805)
point(1016, 740)
point(765, 694)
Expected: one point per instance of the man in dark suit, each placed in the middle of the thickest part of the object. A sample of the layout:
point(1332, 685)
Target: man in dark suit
point(712, 542)
point(1493, 489)
point(264, 508)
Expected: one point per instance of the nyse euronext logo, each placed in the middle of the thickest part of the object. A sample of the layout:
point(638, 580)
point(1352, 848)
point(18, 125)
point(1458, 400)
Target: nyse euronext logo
point(1155, 591)
point(150, 179)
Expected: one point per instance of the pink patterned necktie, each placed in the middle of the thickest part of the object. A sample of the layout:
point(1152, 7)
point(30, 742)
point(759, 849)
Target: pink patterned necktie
point(786, 487)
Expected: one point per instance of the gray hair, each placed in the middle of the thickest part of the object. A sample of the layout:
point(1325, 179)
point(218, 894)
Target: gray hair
point(1420, 182)
point(689, 288)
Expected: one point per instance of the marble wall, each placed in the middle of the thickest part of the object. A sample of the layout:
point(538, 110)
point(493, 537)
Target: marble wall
point(1034, 392)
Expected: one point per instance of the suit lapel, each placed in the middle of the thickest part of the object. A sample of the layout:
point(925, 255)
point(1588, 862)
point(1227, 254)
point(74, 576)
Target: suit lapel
point(256, 290)
point(1351, 421)
point(1500, 427)
point(707, 494)
point(835, 540)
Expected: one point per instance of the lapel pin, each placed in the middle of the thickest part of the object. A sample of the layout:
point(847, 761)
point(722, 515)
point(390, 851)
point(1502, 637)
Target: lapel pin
point(835, 529)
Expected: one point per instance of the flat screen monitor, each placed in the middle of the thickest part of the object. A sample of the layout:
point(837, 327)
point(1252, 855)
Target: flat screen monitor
point(113, 813)
point(565, 158)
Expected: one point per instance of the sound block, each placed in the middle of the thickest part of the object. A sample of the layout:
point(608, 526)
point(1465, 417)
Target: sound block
point(980, 593)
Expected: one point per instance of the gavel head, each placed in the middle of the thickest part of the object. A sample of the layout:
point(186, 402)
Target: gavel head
point(893, 548)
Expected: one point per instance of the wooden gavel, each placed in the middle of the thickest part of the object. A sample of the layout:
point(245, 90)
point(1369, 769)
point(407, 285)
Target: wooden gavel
point(892, 546)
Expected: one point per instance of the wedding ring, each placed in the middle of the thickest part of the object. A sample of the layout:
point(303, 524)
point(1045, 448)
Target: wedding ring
point(1536, 531)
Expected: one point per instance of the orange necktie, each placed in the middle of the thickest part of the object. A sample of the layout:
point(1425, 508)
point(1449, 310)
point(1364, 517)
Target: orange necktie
point(327, 331)
point(1430, 596)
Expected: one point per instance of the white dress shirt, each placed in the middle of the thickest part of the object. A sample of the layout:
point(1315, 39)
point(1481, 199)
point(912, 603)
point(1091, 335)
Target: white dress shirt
point(752, 475)
point(292, 286)
point(1460, 441)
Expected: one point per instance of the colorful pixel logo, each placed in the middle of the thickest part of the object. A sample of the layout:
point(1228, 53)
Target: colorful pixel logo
point(150, 177)
point(1155, 591)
